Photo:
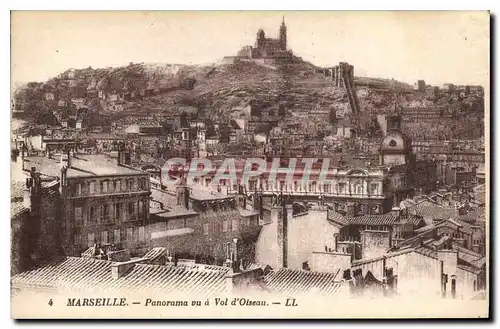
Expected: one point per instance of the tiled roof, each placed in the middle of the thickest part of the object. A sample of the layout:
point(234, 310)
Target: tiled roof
point(426, 251)
point(385, 219)
point(155, 253)
point(92, 275)
point(16, 191)
point(50, 184)
point(169, 201)
point(294, 282)
point(200, 267)
point(469, 268)
point(431, 210)
point(335, 217)
point(469, 256)
point(17, 208)
point(474, 215)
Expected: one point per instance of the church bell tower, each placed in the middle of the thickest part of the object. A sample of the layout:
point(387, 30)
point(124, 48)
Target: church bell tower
point(283, 34)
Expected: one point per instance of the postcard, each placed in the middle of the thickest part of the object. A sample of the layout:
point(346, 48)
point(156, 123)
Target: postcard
point(255, 164)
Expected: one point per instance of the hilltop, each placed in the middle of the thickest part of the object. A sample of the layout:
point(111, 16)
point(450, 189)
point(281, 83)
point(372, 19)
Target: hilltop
point(217, 90)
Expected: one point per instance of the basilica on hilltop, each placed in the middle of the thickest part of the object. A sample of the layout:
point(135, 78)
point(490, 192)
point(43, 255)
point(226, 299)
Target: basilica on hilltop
point(267, 50)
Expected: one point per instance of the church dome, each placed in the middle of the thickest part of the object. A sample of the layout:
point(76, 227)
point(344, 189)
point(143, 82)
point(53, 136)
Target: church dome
point(395, 141)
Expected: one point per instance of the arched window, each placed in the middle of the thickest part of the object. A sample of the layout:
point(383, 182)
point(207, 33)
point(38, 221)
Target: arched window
point(392, 143)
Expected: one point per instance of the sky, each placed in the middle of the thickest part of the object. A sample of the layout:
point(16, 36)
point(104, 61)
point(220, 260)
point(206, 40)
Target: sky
point(438, 47)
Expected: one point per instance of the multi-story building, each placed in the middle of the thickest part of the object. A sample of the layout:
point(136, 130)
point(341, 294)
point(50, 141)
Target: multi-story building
point(100, 200)
point(196, 222)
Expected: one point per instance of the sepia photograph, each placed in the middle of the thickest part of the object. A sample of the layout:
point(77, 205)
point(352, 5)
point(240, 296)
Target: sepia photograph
point(250, 164)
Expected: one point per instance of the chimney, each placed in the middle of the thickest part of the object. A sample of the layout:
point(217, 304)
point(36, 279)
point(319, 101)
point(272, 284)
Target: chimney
point(27, 194)
point(119, 256)
point(47, 152)
point(120, 269)
point(70, 155)
point(182, 196)
point(350, 209)
point(22, 158)
point(289, 211)
point(62, 179)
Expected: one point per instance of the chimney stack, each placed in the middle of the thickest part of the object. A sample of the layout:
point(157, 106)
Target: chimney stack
point(69, 155)
point(120, 269)
point(183, 196)
point(350, 209)
point(22, 157)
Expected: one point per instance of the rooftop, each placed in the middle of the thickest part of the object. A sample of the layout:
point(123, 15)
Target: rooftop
point(169, 202)
point(17, 208)
point(294, 282)
point(93, 275)
point(432, 210)
point(81, 166)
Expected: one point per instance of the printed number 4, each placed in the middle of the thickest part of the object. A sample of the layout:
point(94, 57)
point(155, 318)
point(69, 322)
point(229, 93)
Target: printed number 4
point(50, 302)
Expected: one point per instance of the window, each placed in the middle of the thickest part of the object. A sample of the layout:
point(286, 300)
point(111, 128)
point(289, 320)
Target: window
point(117, 211)
point(92, 187)
point(78, 189)
point(131, 210)
point(92, 215)
point(134, 184)
point(142, 184)
point(78, 213)
point(116, 236)
point(392, 143)
point(228, 250)
point(78, 239)
point(130, 184)
point(90, 240)
point(130, 234)
point(234, 225)
point(104, 186)
point(224, 226)
point(142, 233)
point(99, 214)
point(453, 287)
point(105, 212)
point(104, 237)
point(205, 229)
point(141, 209)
